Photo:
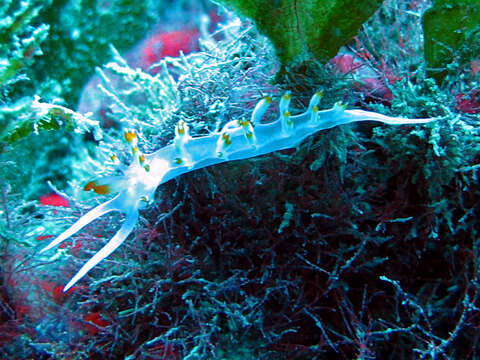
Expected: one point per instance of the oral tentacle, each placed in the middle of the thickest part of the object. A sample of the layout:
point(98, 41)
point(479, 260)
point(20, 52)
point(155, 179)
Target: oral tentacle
point(96, 212)
point(117, 240)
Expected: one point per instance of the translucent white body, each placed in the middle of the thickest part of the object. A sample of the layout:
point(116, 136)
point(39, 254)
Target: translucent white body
point(237, 140)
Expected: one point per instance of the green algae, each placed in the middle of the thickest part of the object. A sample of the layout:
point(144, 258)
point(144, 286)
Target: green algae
point(301, 30)
point(452, 34)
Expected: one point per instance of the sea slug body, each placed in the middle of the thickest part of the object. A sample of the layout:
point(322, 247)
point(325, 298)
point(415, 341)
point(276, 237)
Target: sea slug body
point(238, 139)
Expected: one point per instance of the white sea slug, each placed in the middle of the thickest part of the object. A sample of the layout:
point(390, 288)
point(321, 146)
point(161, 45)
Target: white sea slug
point(240, 139)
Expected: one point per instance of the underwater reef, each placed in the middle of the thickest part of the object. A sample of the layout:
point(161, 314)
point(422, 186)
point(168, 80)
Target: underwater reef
point(259, 214)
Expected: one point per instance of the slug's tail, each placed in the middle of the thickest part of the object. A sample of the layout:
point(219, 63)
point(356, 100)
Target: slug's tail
point(361, 115)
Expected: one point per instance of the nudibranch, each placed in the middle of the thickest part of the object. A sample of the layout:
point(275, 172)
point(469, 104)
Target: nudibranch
point(238, 139)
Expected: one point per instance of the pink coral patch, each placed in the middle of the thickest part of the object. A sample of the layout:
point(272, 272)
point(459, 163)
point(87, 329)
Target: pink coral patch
point(346, 63)
point(94, 322)
point(53, 199)
point(169, 44)
point(44, 237)
point(468, 104)
point(475, 67)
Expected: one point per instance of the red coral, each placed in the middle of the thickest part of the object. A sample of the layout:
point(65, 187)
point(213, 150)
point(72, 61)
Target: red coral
point(53, 199)
point(169, 44)
point(56, 290)
point(468, 105)
point(475, 67)
point(44, 237)
point(346, 63)
point(96, 322)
